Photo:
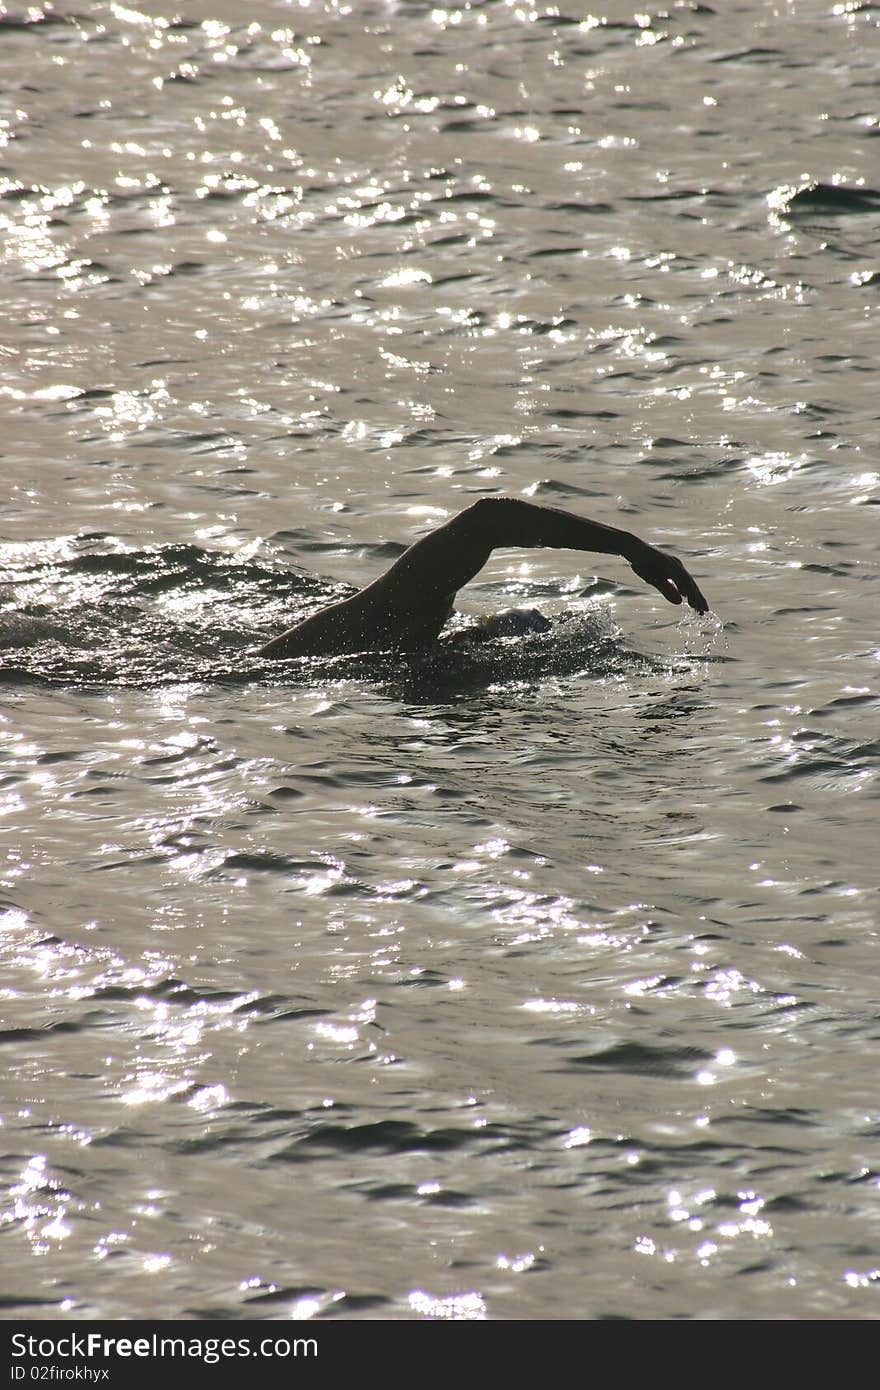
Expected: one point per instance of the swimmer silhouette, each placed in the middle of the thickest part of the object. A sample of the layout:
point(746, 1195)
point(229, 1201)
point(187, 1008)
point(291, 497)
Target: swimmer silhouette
point(408, 605)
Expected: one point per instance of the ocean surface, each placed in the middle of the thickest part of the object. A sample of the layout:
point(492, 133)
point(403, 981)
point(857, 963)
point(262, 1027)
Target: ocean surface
point(536, 981)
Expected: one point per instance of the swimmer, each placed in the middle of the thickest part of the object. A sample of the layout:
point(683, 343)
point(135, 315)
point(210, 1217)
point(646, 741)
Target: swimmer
point(407, 607)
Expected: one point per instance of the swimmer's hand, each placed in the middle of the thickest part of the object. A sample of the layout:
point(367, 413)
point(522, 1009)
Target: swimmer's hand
point(668, 575)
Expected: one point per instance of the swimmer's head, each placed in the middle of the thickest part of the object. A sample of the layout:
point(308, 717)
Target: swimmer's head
point(515, 622)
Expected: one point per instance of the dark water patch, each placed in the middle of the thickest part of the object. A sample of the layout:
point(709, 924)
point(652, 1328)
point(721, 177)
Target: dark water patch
point(21, 1303)
point(805, 767)
point(787, 1202)
point(446, 1198)
point(46, 1030)
point(331, 1302)
point(171, 989)
point(255, 862)
point(643, 1059)
point(392, 1137)
point(867, 1177)
point(425, 979)
point(460, 125)
point(580, 209)
point(405, 1192)
point(834, 199)
point(554, 487)
point(35, 20)
point(126, 1137)
point(784, 1117)
point(756, 55)
point(844, 703)
point(547, 252)
point(290, 1293)
point(284, 1013)
point(540, 327)
point(678, 195)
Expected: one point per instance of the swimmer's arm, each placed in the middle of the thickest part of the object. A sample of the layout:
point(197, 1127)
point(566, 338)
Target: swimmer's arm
point(447, 558)
point(408, 605)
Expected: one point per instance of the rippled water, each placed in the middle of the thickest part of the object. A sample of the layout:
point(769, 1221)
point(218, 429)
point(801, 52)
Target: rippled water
point(535, 981)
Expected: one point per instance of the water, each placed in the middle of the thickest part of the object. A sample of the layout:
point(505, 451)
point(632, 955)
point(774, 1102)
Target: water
point(538, 981)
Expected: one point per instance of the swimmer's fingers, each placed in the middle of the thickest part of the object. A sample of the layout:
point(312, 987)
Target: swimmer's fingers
point(668, 575)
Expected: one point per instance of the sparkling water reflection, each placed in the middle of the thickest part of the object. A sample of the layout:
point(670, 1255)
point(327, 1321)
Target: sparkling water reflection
point(372, 989)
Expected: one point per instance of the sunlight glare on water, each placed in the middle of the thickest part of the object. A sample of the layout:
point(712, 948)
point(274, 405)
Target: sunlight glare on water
point(370, 987)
